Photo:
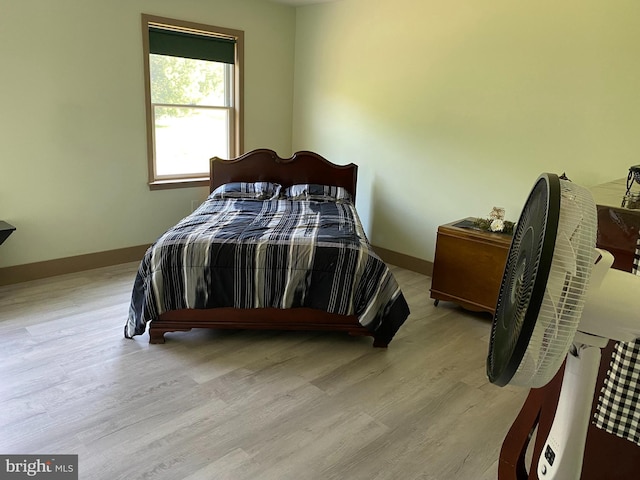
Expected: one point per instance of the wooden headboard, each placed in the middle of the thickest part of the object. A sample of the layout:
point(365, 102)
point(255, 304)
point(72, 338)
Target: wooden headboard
point(265, 165)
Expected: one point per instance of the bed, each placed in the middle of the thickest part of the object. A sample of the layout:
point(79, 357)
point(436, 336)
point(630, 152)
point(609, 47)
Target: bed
point(277, 245)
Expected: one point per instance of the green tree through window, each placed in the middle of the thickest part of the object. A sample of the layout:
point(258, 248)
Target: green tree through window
point(186, 81)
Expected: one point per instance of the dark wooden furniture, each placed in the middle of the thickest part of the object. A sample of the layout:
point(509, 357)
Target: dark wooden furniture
point(606, 456)
point(265, 165)
point(617, 227)
point(468, 266)
point(6, 229)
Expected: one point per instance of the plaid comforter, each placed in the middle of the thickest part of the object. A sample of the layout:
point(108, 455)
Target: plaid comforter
point(275, 253)
point(617, 410)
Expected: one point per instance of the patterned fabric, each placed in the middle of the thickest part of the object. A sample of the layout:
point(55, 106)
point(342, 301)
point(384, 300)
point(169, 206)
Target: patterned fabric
point(618, 409)
point(277, 253)
point(317, 192)
point(248, 190)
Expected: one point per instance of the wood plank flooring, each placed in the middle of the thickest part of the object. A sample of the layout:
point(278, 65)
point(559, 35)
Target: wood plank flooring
point(245, 405)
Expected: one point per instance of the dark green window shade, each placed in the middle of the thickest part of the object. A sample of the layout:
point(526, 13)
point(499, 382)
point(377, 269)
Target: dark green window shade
point(199, 47)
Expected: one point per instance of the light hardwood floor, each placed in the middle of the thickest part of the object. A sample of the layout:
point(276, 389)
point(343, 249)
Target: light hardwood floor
point(245, 405)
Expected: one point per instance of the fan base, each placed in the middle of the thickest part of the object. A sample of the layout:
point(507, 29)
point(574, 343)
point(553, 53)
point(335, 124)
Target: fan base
point(562, 454)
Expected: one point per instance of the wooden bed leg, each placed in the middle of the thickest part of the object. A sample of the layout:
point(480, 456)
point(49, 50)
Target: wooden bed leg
point(156, 336)
point(379, 343)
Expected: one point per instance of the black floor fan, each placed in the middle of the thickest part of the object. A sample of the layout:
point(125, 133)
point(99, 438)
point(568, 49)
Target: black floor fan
point(559, 299)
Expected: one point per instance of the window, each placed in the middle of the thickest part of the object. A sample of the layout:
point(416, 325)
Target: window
point(193, 89)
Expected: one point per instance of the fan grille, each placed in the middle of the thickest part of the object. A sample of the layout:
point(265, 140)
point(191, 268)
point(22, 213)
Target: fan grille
point(544, 285)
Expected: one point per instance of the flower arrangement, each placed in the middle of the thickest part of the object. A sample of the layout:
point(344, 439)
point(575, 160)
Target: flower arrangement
point(495, 222)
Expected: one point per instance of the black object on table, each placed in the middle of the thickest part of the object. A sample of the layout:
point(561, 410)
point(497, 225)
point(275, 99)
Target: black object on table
point(6, 229)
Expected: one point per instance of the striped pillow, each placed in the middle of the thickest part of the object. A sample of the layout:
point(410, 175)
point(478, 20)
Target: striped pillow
point(315, 192)
point(247, 190)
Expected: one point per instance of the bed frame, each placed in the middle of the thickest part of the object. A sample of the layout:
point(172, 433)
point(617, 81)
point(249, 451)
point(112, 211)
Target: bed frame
point(266, 166)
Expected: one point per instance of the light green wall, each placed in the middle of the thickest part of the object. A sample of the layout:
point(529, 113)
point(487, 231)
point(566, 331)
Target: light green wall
point(449, 108)
point(73, 167)
point(452, 107)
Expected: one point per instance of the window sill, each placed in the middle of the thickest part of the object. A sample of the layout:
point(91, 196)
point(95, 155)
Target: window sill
point(179, 183)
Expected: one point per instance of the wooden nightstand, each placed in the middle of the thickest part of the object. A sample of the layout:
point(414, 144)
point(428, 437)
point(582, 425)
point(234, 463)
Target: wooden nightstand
point(468, 266)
